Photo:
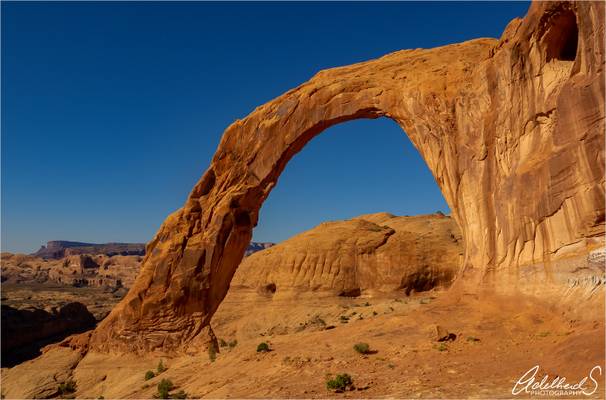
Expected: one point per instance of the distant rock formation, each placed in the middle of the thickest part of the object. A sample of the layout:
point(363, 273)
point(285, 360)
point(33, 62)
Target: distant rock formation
point(60, 248)
point(56, 249)
point(26, 331)
point(81, 269)
point(253, 247)
point(512, 130)
point(95, 270)
point(370, 253)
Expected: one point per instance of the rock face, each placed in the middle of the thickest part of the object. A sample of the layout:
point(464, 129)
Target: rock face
point(25, 331)
point(368, 254)
point(60, 248)
point(512, 130)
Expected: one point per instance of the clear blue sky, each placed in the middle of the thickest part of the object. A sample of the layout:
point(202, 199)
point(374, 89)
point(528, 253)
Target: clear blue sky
point(111, 111)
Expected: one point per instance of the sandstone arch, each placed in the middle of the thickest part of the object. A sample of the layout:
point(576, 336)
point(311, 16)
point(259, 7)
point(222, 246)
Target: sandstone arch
point(512, 134)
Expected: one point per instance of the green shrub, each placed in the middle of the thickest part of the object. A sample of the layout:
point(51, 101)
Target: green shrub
point(161, 368)
point(67, 387)
point(232, 343)
point(212, 352)
point(442, 347)
point(149, 375)
point(263, 348)
point(164, 387)
point(341, 382)
point(316, 320)
point(362, 348)
point(222, 343)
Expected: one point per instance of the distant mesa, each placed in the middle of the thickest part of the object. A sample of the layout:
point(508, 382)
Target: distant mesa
point(56, 249)
point(60, 248)
point(253, 247)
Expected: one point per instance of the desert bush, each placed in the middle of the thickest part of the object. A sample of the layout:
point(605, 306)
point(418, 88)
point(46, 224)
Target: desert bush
point(222, 343)
point(442, 347)
point(232, 343)
point(341, 382)
point(161, 368)
point(263, 348)
point(362, 348)
point(67, 387)
point(149, 375)
point(212, 353)
point(164, 387)
point(316, 320)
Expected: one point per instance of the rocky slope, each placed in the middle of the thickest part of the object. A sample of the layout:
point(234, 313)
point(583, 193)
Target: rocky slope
point(368, 254)
point(511, 128)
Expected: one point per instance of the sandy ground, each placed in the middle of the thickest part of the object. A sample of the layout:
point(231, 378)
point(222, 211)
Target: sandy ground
point(499, 338)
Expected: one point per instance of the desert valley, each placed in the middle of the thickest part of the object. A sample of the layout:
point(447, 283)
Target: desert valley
point(457, 305)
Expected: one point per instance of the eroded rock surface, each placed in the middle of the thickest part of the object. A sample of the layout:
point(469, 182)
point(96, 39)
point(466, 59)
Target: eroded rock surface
point(368, 254)
point(512, 130)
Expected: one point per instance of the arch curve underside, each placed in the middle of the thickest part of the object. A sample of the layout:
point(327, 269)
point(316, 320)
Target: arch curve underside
point(512, 134)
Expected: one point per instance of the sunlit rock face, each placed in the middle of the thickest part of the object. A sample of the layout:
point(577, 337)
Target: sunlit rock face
point(370, 255)
point(512, 130)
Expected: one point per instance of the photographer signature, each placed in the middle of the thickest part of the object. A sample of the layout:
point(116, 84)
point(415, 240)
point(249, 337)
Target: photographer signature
point(528, 383)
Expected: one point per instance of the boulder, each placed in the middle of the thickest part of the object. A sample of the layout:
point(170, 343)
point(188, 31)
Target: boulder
point(367, 254)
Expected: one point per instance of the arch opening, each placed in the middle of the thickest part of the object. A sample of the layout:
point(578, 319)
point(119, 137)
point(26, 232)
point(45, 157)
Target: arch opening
point(356, 167)
point(359, 216)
